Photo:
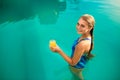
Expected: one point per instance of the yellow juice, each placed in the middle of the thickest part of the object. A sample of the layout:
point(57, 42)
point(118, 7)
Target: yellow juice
point(52, 43)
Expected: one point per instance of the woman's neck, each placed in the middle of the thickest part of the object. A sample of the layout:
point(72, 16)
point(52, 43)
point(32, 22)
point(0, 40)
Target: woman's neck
point(87, 35)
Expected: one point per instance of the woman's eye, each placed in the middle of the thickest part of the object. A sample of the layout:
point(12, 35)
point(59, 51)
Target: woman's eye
point(82, 26)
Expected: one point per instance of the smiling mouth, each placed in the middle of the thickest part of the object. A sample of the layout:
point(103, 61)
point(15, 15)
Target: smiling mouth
point(79, 31)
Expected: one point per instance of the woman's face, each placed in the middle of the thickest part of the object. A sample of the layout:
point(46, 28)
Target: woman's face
point(82, 26)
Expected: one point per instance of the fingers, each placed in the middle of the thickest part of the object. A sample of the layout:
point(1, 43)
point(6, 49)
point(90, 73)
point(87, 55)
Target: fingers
point(53, 49)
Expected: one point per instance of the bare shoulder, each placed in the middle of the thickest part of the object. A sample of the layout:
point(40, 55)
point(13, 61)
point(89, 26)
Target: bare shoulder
point(84, 44)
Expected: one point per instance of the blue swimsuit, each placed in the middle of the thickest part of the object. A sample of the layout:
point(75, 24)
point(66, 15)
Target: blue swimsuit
point(81, 63)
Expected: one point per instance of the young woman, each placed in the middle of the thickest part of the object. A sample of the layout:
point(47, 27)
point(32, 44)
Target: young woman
point(81, 49)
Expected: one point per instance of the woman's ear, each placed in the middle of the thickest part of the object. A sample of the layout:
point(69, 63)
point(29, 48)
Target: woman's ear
point(90, 28)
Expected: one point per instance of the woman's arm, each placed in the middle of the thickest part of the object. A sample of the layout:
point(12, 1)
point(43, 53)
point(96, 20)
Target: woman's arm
point(79, 50)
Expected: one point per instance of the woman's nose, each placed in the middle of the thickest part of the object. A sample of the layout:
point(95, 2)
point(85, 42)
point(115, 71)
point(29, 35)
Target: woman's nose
point(78, 26)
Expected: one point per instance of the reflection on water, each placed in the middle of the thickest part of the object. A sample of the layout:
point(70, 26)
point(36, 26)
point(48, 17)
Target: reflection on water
point(49, 10)
point(15, 10)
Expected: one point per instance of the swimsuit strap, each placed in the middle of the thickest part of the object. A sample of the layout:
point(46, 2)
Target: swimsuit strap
point(84, 39)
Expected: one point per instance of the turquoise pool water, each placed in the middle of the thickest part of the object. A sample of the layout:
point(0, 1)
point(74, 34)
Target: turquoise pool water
point(27, 27)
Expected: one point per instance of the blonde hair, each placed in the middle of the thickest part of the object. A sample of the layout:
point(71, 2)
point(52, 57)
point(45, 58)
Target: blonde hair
point(91, 23)
point(89, 19)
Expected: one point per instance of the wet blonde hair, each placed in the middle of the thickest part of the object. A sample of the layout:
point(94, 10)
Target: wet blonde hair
point(91, 23)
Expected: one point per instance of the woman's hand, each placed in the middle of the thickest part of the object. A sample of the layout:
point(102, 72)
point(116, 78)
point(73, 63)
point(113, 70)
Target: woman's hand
point(55, 49)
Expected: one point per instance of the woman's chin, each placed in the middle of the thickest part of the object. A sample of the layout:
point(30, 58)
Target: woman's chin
point(79, 32)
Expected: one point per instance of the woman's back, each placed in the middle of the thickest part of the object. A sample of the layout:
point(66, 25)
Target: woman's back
point(83, 60)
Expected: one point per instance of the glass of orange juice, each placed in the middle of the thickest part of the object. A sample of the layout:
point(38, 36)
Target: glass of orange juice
point(52, 43)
